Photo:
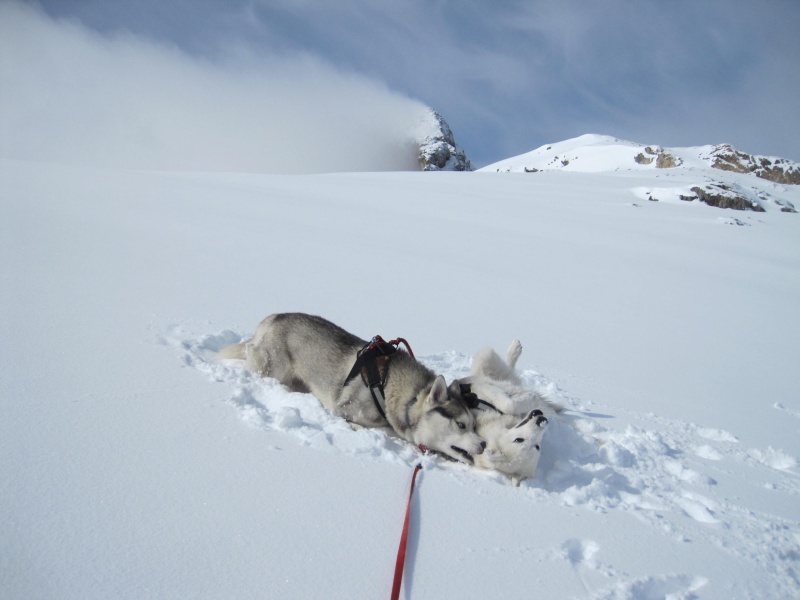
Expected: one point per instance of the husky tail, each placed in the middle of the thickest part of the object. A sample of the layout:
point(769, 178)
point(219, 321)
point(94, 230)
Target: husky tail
point(234, 351)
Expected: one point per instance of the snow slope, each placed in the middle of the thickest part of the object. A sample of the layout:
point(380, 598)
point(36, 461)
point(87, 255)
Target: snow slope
point(706, 167)
point(133, 464)
point(594, 153)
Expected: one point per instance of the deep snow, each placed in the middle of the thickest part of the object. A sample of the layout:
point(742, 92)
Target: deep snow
point(134, 464)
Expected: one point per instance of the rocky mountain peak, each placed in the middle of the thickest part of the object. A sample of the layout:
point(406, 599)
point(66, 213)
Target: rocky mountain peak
point(438, 150)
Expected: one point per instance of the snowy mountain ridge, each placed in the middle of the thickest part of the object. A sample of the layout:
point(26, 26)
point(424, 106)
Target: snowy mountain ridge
point(718, 175)
point(593, 153)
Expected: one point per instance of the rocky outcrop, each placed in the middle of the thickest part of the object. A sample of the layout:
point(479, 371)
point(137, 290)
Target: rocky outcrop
point(438, 150)
point(664, 160)
point(720, 194)
point(723, 196)
point(780, 170)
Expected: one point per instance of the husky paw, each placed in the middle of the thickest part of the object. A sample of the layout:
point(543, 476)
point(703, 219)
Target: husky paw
point(513, 353)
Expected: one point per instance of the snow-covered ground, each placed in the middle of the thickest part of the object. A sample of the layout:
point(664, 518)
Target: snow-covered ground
point(133, 464)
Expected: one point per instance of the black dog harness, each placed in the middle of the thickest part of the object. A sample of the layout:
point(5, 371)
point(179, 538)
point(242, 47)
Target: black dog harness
point(372, 362)
point(472, 401)
point(475, 403)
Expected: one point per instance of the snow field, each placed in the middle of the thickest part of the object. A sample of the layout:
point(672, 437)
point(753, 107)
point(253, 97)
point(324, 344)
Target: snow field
point(133, 464)
point(666, 474)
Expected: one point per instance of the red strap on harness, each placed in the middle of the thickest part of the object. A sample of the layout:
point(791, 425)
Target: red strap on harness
point(396, 343)
point(378, 340)
point(401, 551)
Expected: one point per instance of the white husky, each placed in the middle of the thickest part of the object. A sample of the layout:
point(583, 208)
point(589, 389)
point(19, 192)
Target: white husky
point(508, 416)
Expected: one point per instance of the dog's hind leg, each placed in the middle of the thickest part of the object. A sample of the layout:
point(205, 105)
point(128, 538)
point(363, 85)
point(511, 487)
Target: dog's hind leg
point(513, 353)
point(258, 361)
point(486, 363)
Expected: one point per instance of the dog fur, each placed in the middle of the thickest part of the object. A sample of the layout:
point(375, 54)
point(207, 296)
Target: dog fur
point(307, 353)
point(514, 423)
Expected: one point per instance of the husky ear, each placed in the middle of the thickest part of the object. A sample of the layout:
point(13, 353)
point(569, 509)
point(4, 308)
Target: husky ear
point(455, 388)
point(438, 393)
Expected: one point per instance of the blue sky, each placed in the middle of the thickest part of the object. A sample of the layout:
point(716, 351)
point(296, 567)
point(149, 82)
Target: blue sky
point(510, 76)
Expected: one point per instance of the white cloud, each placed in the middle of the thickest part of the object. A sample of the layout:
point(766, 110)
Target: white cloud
point(73, 95)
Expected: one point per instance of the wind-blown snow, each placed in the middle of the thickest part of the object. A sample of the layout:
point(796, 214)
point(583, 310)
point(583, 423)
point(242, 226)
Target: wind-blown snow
point(72, 95)
point(133, 463)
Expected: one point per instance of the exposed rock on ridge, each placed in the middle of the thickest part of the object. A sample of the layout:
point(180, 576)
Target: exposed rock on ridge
point(438, 150)
point(664, 160)
point(780, 170)
point(599, 153)
point(718, 176)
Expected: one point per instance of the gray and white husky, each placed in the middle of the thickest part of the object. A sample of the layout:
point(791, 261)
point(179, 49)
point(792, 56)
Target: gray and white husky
point(509, 416)
point(307, 353)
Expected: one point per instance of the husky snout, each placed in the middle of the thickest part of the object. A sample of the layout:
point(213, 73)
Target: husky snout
point(480, 447)
point(465, 451)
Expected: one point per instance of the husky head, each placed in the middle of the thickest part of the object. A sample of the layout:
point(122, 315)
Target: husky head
point(446, 424)
point(513, 444)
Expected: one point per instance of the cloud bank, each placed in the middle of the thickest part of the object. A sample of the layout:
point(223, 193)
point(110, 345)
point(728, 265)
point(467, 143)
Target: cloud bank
point(513, 75)
point(73, 95)
point(507, 76)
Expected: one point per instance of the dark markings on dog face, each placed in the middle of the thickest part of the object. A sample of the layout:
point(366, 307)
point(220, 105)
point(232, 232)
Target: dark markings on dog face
point(467, 456)
point(524, 421)
point(449, 416)
point(540, 418)
point(444, 412)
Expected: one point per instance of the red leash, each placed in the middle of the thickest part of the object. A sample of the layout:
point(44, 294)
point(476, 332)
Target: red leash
point(401, 551)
